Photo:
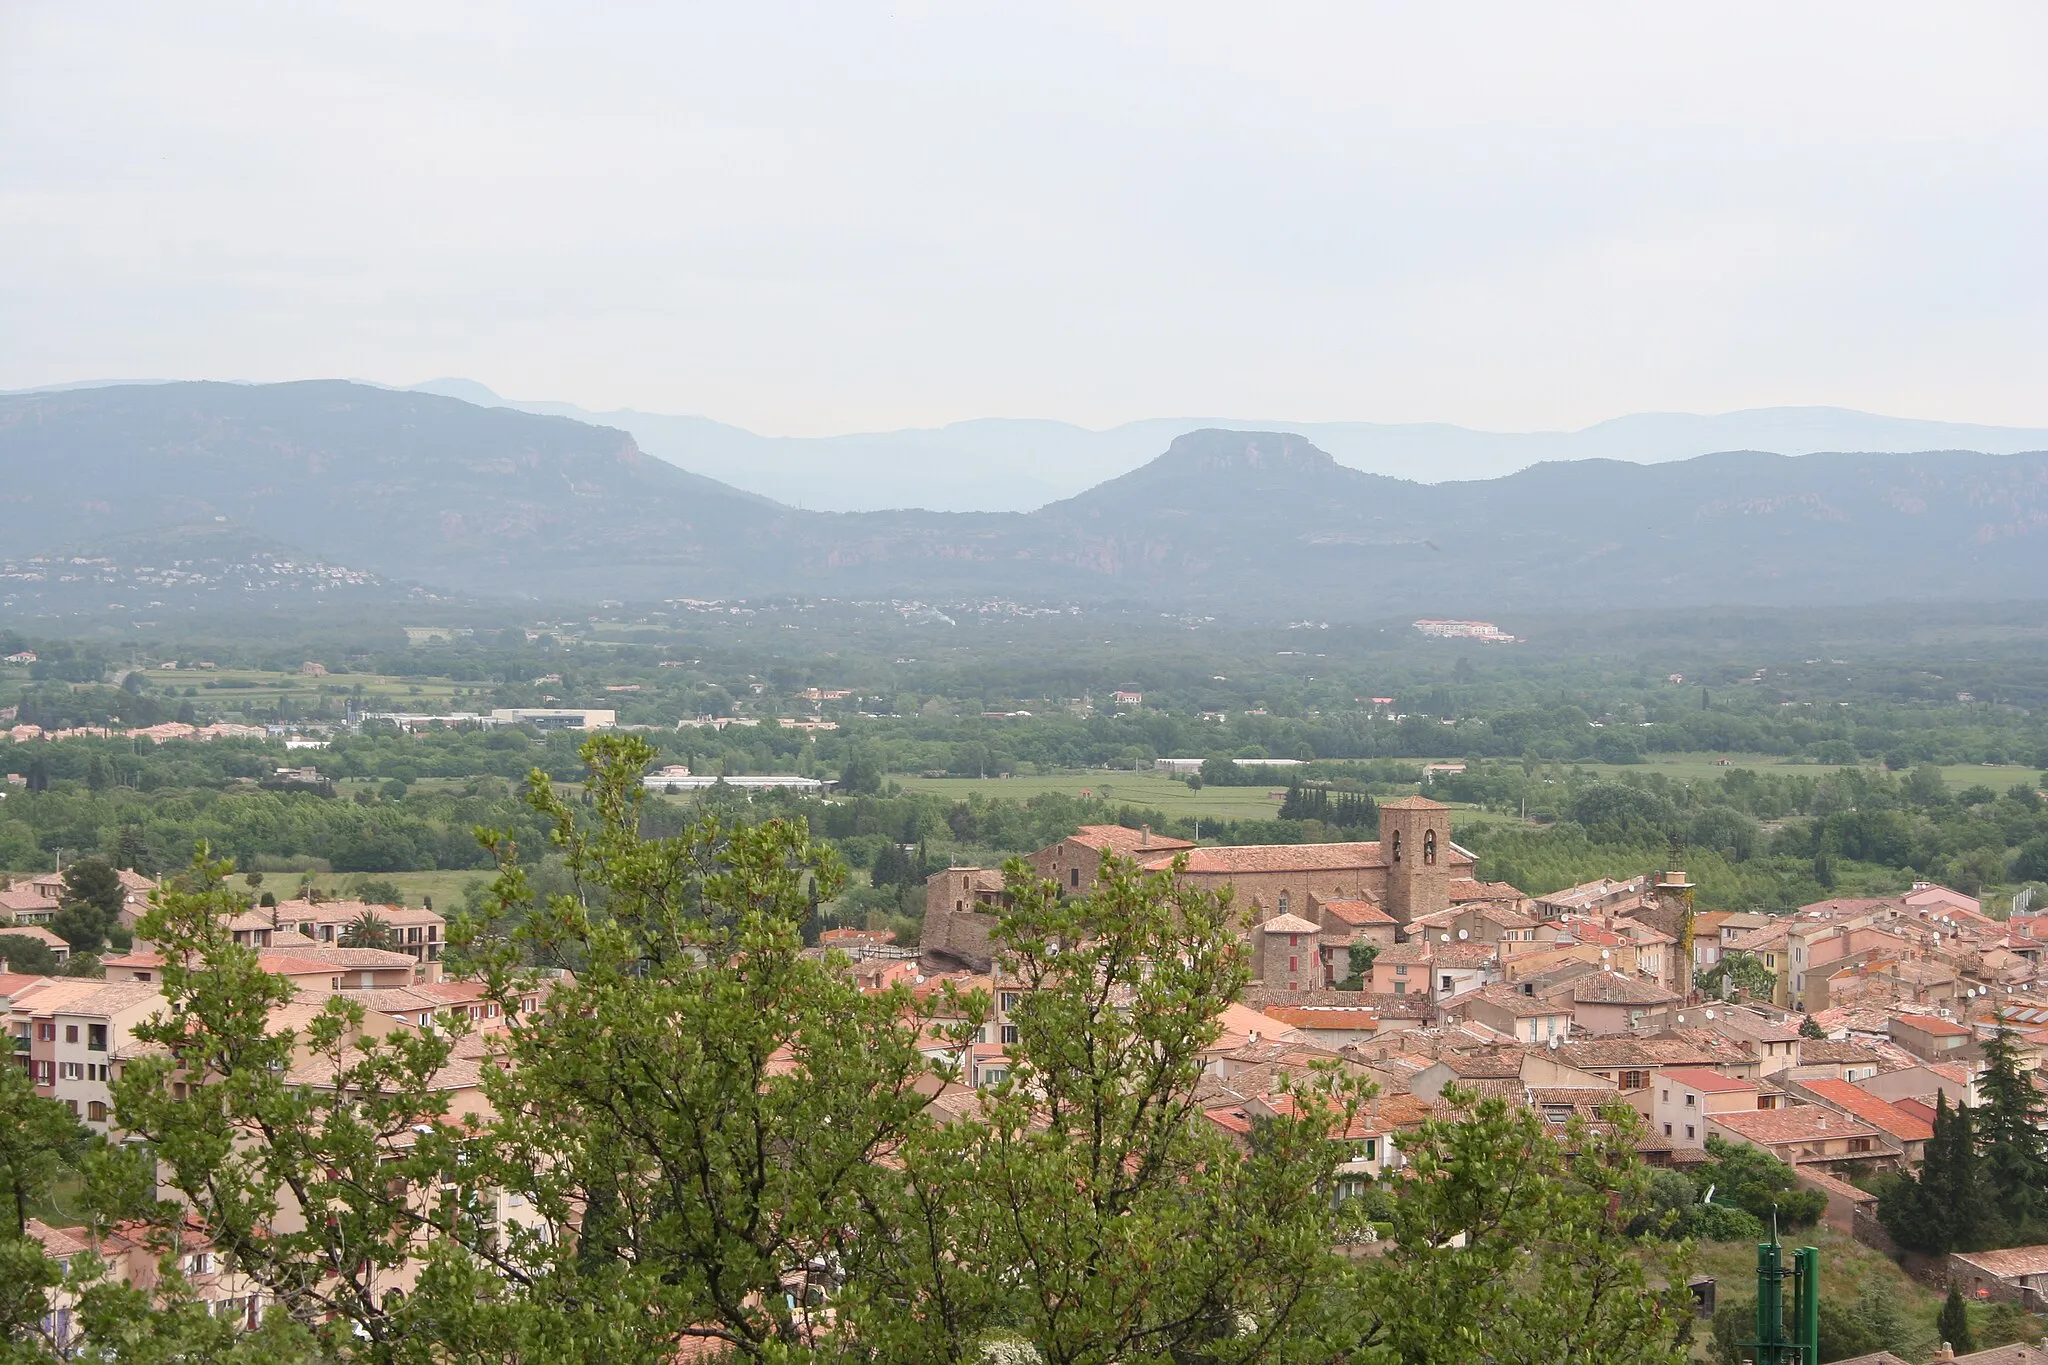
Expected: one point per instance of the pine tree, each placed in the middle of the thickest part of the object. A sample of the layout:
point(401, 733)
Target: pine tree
point(1954, 1323)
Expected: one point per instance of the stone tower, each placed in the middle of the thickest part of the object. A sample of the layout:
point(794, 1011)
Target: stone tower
point(1415, 836)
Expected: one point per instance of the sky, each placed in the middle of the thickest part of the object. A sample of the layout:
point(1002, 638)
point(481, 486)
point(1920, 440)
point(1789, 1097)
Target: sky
point(808, 219)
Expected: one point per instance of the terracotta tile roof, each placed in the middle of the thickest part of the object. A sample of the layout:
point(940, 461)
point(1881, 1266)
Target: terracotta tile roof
point(1841, 1053)
point(2010, 1262)
point(1404, 954)
point(1752, 1027)
point(13, 982)
point(1632, 1053)
point(1289, 924)
point(1512, 1001)
point(1800, 1123)
point(1613, 988)
point(36, 932)
point(1705, 1081)
point(1887, 1118)
point(1125, 842)
point(111, 997)
point(1466, 889)
point(1243, 858)
point(1933, 1027)
point(58, 1241)
point(1357, 912)
point(1413, 803)
point(1323, 1017)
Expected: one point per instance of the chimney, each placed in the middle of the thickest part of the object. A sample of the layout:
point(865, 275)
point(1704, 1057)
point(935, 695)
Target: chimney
point(1947, 1352)
point(1145, 836)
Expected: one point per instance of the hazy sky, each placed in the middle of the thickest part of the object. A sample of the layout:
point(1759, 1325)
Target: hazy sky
point(822, 218)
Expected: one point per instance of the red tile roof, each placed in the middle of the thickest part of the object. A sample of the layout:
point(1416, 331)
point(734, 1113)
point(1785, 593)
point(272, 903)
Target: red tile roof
point(1705, 1081)
point(1117, 839)
point(1880, 1114)
point(1280, 858)
point(1933, 1027)
point(1356, 912)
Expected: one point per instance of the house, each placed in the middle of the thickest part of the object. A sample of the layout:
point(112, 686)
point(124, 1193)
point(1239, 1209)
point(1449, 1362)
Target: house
point(36, 933)
point(419, 933)
point(89, 1035)
point(1907, 1133)
point(1827, 1059)
point(1932, 1037)
point(26, 904)
point(1292, 954)
point(1954, 1081)
point(1680, 1100)
point(1524, 1018)
point(1774, 1043)
point(1605, 1002)
point(2016, 1274)
point(1802, 1133)
point(1331, 1026)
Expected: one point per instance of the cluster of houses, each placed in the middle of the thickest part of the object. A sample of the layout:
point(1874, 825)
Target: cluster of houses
point(73, 1035)
point(161, 734)
point(1570, 1002)
point(1389, 960)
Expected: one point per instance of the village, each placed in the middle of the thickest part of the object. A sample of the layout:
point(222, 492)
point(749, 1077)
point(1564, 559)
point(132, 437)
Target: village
point(1849, 1025)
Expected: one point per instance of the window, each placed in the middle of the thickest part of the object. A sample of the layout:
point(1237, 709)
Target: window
point(1073, 876)
point(1667, 1096)
point(199, 1263)
point(96, 1037)
point(46, 1073)
point(1294, 940)
point(1401, 969)
point(96, 1111)
point(1293, 964)
point(71, 1033)
point(46, 1031)
point(1667, 1130)
point(1859, 1144)
point(1282, 903)
point(1397, 845)
point(1010, 1035)
point(1447, 983)
point(1691, 1100)
point(1688, 1132)
point(1009, 1001)
point(1429, 848)
point(1635, 1080)
point(995, 1075)
point(142, 976)
point(1400, 988)
point(71, 1071)
point(1372, 1149)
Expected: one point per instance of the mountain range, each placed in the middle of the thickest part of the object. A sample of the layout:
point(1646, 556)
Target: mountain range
point(494, 502)
point(1017, 465)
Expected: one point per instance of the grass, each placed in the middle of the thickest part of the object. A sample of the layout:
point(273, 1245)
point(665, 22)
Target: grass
point(1846, 1265)
point(445, 886)
point(63, 1205)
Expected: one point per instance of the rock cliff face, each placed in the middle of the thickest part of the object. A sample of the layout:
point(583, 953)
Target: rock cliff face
point(491, 501)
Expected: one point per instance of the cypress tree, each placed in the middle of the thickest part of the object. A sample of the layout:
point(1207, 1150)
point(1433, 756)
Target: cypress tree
point(2015, 1158)
point(1954, 1323)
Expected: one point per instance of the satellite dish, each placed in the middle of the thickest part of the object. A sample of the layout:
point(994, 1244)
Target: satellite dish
point(1554, 1041)
point(1443, 938)
point(1461, 936)
point(1710, 1014)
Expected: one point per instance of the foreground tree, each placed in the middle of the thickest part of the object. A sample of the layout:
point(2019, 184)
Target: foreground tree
point(709, 1136)
point(1094, 1212)
point(1510, 1246)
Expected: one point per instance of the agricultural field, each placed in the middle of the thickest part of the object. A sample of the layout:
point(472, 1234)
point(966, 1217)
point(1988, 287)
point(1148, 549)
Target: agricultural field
point(1149, 790)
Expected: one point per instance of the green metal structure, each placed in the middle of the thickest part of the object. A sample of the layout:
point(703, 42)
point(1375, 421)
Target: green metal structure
point(1779, 1342)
